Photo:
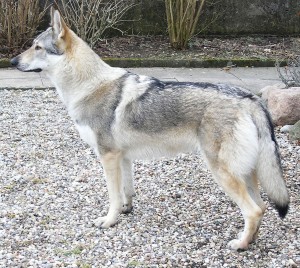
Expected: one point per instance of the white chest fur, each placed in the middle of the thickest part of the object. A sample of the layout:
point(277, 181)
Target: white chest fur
point(88, 136)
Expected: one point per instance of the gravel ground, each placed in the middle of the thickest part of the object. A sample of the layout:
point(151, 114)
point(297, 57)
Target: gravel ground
point(52, 188)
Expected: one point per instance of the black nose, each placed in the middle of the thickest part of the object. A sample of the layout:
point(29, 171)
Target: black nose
point(14, 61)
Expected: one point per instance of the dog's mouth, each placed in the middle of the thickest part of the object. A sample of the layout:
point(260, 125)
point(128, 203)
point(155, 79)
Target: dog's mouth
point(37, 70)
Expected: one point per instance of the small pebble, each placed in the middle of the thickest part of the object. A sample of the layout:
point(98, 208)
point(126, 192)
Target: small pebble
point(286, 128)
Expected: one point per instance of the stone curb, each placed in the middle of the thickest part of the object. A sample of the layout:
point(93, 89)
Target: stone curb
point(175, 63)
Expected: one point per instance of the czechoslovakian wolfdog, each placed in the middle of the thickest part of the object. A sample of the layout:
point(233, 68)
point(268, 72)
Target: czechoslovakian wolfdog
point(124, 116)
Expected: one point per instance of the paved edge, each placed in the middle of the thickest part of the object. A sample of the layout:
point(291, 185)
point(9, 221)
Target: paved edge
point(175, 63)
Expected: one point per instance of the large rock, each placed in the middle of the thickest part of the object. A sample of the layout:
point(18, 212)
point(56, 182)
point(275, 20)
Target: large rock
point(283, 104)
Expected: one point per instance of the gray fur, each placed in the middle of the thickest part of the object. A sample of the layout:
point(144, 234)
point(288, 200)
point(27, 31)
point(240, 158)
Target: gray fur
point(46, 38)
point(99, 114)
point(166, 105)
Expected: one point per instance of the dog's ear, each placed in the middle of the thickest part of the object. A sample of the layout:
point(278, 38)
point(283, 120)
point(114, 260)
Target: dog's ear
point(59, 26)
point(52, 9)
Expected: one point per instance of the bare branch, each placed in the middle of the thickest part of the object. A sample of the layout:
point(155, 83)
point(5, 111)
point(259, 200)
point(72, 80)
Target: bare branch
point(90, 19)
point(182, 18)
point(290, 74)
point(19, 20)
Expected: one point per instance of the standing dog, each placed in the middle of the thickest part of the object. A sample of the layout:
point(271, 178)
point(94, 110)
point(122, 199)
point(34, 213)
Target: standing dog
point(124, 116)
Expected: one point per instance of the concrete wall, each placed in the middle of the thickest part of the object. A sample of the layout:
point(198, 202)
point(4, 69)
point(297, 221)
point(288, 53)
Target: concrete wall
point(281, 17)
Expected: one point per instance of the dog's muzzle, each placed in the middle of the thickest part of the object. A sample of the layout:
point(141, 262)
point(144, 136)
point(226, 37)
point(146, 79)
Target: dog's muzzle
point(15, 62)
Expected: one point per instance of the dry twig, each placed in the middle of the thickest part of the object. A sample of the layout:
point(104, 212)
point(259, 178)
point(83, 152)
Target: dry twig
point(19, 21)
point(90, 19)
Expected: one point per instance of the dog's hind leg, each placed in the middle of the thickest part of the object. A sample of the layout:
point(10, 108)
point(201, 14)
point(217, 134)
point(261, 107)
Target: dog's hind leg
point(252, 186)
point(232, 151)
point(245, 195)
point(111, 162)
point(127, 184)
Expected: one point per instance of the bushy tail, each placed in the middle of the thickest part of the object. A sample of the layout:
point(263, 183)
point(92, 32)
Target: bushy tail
point(269, 170)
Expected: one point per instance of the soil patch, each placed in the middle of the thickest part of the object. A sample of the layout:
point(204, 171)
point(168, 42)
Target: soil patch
point(251, 47)
point(257, 47)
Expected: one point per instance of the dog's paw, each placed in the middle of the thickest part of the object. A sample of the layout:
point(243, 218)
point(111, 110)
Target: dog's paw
point(104, 222)
point(127, 208)
point(240, 236)
point(237, 244)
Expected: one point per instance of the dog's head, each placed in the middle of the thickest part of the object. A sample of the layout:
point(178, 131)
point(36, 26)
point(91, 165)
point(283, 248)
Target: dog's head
point(47, 49)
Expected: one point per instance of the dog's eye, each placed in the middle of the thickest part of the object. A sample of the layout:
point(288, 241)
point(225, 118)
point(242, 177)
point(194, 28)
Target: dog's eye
point(38, 48)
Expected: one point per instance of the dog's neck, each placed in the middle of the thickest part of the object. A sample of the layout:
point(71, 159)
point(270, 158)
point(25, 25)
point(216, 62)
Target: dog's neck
point(80, 71)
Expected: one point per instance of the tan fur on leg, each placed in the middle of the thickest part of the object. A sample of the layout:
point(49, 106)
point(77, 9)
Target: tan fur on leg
point(112, 171)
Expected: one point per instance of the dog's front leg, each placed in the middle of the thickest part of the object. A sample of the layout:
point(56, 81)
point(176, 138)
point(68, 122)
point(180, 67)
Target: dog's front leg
point(128, 188)
point(112, 169)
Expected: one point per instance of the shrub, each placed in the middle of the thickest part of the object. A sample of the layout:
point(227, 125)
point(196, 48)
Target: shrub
point(290, 74)
point(182, 18)
point(19, 21)
point(90, 19)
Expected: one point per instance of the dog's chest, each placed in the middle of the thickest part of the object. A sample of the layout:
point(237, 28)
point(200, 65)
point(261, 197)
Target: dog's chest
point(88, 136)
